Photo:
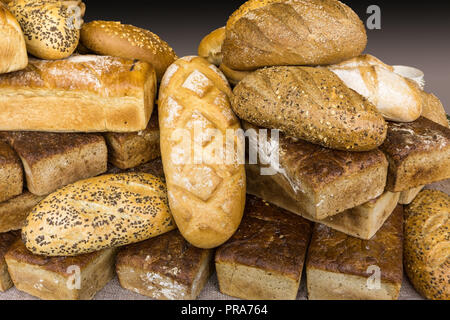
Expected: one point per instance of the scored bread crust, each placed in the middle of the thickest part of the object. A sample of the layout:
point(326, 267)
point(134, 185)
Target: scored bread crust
point(206, 199)
point(292, 32)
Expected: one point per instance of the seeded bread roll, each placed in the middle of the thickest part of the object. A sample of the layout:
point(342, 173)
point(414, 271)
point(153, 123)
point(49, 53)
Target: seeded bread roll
point(427, 244)
point(11, 173)
point(51, 27)
point(13, 51)
point(126, 41)
point(311, 104)
point(6, 241)
point(14, 212)
point(210, 47)
point(99, 213)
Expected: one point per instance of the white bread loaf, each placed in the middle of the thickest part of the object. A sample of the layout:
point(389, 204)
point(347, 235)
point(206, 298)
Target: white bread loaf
point(207, 198)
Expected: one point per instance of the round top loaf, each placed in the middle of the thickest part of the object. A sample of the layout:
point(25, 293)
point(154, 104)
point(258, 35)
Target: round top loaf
point(126, 41)
point(210, 47)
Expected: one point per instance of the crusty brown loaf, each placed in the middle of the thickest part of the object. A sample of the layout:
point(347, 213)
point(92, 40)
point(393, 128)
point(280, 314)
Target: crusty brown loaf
point(129, 150)
point(78, 94)
point(427, 244)
point(126, 41)
point(14, 212)
point(311, 104)
point(51, 27)
point(292, 32)
point(337, 254)
point(207, 199)
point(153, 167)
point(53, 278)
point(6, 241)
point(433, 109)
point(406, 197)
point(164, 268)
point(418, 154)
point(11, 173)
point(99, 213)
point(271, 240)
point(53, 160)
point(210, 47)
point(13, 52)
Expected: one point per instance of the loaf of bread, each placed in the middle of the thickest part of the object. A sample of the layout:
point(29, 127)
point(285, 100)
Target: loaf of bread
point(340, 267)
point(202, 152)
point(311, 104)
point(99, 213)
point(53, 160)
point(78, 94)
point(362, 61)
point(129, 150)
point(51, 27)
point(165, 268)
point(60, 278)
point(13, 52)
point(14, 212)
point(153, 167)
point(406, 197)
point(418, 154)
point(427, 244)
point(210, 47)
point(233, 76)
point(292, 32)
point(112, 38)
point(264, 259)
point(433, 109)
point(11, 173)
point(6, 241)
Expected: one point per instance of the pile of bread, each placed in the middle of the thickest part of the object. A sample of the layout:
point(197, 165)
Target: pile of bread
point(101, 184)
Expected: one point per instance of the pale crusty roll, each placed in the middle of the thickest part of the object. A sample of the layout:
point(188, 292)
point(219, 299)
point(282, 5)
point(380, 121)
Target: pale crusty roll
point(126, 41)
point(13, 51)
point(51, 27)
point(210, 47)
point(292, 32)
point(207, 198)
point(99, 213)
point(78, 94)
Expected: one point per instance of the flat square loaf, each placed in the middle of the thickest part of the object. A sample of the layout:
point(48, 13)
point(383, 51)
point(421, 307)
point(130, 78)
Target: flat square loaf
point(14, 211)
point(74, 278)
point(129, 150)
point(264, 259)
point(418, 154)
point(53, 160)
point(11, 174)
point(6, 241)
point(164, 268)
point(340, 267)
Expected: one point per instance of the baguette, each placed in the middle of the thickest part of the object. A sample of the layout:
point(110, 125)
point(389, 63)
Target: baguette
point(78, 94)
point(210, 47)
point(207, 197)
point(11, 173)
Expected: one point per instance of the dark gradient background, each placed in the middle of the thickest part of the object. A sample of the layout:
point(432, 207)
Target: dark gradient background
point(413, 33)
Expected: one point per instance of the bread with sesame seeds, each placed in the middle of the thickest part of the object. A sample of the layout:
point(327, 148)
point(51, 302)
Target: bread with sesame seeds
point(203, 152)
point(311, 104)
point(99, 213)
point(51, 27)
point(427, 244)
point(126, 41)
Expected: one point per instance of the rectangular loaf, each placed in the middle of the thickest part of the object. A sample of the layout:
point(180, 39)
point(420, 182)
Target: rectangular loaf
point(340, 267)
point(418, 154)
point(53, 160)
point(57, 278)
point(11, 173)
point(264, 259)
point(6, 241)
point(14, 211)
point(408, 196)
point(78, 94)
point(164, 268)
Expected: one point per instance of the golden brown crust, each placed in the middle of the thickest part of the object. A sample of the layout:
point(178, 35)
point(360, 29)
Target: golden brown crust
point(11, 173)
point(427, 244)
point(210, 47)
point(233, 76)
point(14, 212)
point(127, 41)
point(269, 238)
point(434, 110)
point(292, 32)
point(154, 167)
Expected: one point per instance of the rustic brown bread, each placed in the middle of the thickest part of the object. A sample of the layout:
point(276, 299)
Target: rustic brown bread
point(418, 154)
point(292, 32)
point(427, 244)
point(112, 38)
point(129, 150)
point(210, 47)
point(6, 241)
point(264, 259)
point(53, 160)
point(11, 173)
point(164, 268)
point(406, 197)
point(78, 94)
point(311, 104)
point(14, 212)
point(99, 213)
point(339, 266)
point(56, 278)
point(433, 109)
